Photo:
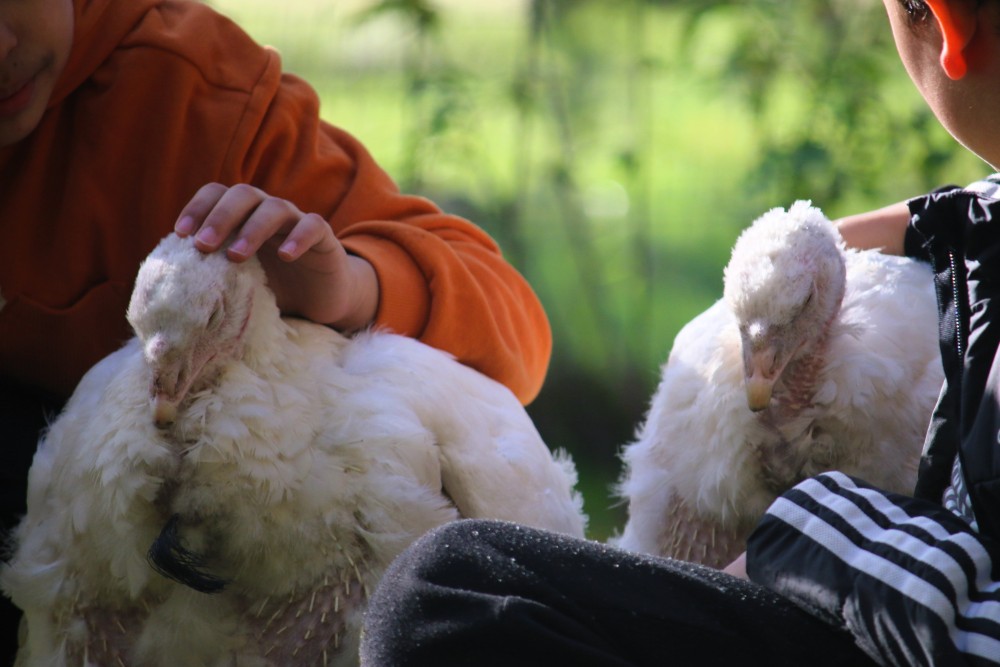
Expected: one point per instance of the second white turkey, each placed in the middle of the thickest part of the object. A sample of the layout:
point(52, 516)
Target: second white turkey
point(816, 358)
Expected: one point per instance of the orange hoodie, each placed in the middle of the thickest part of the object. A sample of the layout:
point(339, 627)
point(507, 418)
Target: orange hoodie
point(160, 97)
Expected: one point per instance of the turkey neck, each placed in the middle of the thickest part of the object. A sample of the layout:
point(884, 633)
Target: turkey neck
point(781, 460)
point(798, 382)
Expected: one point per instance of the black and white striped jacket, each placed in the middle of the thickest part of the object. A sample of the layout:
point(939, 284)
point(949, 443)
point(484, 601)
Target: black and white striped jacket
point(916, 579)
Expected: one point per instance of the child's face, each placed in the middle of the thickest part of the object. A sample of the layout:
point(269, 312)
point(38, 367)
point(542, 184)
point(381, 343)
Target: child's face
point(35, 40)
point(966, 107)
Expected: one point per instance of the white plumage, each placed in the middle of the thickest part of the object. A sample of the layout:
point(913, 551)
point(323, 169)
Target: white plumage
point(816, 358)
point(276, 466)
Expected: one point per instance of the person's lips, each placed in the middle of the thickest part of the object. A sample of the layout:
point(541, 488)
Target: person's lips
point(17, 99)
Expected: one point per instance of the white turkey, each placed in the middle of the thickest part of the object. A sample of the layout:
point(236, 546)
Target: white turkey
point(228, 487)
point(816, 358)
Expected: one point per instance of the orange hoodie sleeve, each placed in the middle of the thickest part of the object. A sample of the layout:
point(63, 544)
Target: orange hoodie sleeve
point(442, 279)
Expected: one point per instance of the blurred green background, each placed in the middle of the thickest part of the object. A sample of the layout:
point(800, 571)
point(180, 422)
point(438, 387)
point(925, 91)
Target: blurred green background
point(615, 149)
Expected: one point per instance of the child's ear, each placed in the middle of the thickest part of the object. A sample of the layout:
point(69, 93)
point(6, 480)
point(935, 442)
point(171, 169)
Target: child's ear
point(957, 20)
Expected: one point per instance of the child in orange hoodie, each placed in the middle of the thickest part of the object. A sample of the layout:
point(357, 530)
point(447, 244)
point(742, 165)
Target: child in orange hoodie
point(124, 120)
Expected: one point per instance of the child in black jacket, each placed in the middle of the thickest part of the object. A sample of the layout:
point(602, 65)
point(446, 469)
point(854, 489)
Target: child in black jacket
point(840, 573)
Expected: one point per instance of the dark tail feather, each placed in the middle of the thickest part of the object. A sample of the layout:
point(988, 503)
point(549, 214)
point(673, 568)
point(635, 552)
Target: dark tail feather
point(169, 557)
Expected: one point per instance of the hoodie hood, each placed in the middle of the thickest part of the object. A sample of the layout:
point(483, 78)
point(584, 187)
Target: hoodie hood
point(98, 28)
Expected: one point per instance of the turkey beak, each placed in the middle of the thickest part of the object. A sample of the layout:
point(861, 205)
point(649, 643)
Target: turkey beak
point(760, 375)
point(165, 394)
point(168, 384)
point(164, 411)
point(758, 392)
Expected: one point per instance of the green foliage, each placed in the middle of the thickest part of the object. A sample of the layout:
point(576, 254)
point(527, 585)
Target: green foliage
point(615, 149)
point(834, 113)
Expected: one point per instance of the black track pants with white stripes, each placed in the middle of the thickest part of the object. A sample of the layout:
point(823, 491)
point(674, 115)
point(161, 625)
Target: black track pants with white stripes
point(914, 583)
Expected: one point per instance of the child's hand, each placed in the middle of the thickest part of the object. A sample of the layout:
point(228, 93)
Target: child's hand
point(310, 272)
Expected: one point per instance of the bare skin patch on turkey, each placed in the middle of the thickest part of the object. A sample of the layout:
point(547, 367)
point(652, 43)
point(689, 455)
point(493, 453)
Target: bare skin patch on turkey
point(306, 628)
point(690, 537)
point(108, 637)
